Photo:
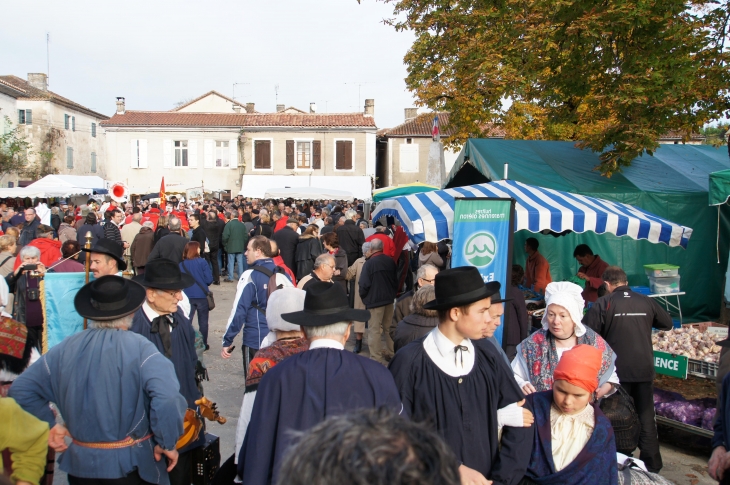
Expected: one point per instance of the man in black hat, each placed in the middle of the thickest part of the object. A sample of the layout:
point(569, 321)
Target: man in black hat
point(164, 324)
point(107, 258)
point(458, 380)
point(118, 396)
point(304, 389)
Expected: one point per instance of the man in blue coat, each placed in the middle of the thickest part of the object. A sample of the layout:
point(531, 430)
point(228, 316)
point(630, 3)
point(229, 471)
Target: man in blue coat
point(307, 388)
point(160, 321)
point(249, 306)
point(117, 394)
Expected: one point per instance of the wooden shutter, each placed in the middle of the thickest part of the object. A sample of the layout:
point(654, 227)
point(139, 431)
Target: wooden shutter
point(73, 123)
point(339, 156)
point(143, 153)
point(93, 130)
point(263, 154)
point(233, 153)
point(167, 153)
point(343, 155)
point(290, 154)
point(348, 155)
point(69, 157)
point(21, 116)
point(316, 154)
point(209, 150)
point(193, 153)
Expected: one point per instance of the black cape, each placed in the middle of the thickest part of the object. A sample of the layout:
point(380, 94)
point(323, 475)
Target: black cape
point(463, 410)
point(300, 392)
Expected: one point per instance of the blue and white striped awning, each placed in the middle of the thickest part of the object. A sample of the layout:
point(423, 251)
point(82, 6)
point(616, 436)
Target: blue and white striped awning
point(429, 216)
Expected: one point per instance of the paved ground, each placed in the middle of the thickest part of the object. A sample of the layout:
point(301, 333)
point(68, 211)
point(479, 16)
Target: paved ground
point(685, 457)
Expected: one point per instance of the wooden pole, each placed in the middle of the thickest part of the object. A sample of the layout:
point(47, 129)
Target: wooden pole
point(87, 247)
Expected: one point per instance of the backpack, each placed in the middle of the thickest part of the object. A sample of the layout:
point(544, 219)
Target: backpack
point(272, 286)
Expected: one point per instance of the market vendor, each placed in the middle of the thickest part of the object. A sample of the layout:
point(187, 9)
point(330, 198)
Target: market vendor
point(591, 269)
point(537, 268)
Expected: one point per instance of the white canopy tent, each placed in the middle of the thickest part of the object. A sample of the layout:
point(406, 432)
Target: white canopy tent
point(304, 193)
point(257, 185)
point(67, 185)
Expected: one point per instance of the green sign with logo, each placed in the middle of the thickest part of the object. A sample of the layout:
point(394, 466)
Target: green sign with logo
point(670, 364)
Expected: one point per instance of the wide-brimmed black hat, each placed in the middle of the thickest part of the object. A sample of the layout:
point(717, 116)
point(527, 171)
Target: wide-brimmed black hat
point(108, 298)
point(110, 248)
point(164, 274)
point(325, 304)
point(460, 286)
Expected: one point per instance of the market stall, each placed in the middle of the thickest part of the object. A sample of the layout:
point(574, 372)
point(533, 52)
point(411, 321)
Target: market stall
point(307, 193)
point(399, 190)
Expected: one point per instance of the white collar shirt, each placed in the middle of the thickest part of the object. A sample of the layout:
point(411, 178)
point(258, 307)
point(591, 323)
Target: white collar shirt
point(325, 343)
point(442, 352)
point(152, 314)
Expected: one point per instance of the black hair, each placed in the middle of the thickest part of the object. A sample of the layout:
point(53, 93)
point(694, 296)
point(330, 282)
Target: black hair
point(532, 243)
point(582, 250)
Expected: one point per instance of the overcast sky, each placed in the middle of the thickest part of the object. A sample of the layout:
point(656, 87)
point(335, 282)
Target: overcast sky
point(158, 52)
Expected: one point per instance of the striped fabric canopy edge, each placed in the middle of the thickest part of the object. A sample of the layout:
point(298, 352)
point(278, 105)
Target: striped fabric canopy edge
point(429, 216)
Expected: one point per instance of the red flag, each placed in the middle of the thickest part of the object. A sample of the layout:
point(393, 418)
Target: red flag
point(163, 199)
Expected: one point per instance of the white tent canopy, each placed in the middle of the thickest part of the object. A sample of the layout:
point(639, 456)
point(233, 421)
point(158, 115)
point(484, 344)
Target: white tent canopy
point(359, 186)
point(21, 192)
point(67, 185)
point(307, 193)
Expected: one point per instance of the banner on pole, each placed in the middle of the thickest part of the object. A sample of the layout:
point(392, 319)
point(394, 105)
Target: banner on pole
point(483, 230)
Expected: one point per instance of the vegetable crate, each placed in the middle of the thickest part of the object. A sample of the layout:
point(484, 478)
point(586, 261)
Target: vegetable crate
point(700, 368)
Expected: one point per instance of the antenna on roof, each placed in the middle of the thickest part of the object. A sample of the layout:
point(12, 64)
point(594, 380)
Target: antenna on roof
point(233, 97)
point(359, 85)
point(276, 90)
point(48, 58)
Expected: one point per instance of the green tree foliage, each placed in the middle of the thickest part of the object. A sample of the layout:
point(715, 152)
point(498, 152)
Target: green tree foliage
point(715, 135)
point(613, 75)
point(13, 149)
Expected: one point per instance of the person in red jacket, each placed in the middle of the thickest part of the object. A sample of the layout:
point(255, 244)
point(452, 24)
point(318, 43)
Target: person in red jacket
point(279, 261)
point(50, 248)
point(388, 245)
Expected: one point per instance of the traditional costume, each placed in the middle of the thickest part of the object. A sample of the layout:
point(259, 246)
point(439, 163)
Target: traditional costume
point(459, 388)
point(311, 386)
point(174, 337)
point(117, 394)
point(578, 448)
point(273, 351)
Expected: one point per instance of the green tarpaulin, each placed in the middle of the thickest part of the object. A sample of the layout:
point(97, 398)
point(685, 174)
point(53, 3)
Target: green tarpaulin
point(404, 189)
point(673, 184)
point(719, 187)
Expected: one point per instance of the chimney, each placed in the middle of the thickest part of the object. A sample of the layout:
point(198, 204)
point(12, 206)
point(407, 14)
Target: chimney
point(411, 113)
point(280, 108)
point(120, 106)
point(38, 80)
point(369, 107)
point(237, 108)
point(250, 107)
point(312, 108)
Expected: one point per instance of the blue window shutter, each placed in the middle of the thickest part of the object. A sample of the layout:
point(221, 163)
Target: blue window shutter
point(28, 117)
point(65, 121)
point(69, 157)
point(21, 117)
point(73, 123)
point(93, 161)
point(93, 130)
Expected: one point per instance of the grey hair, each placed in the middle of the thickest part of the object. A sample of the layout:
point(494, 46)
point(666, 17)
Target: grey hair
point(322, 259)
point(376, 245)
point(326, 211)
point(174, 224)
point(421, 297)
point(350, 214)
point(137, 217)
point(366, 247)
point(149, 224)
point(30, 252)
point(122, 323)
point(338, 329)
point(423, 269)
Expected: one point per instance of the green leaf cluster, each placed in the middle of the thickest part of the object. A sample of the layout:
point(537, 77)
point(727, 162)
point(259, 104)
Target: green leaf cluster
point(612, 75)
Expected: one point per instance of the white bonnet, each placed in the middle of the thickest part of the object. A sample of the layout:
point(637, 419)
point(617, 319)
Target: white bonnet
point(284, 300)
point(569, 296)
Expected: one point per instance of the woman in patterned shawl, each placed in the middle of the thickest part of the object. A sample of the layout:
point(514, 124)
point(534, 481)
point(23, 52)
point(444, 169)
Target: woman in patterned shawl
point(538, 355)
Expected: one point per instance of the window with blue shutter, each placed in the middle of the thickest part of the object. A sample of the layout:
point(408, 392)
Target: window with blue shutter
point(69, 157)
point(93, 161)
point(66, 119)
point(93, 130)
point(29, 117)
point(21, 116)
point(73, 123)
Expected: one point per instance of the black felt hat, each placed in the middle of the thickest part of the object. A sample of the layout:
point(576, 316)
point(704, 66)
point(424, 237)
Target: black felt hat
point(164, 274)
point(110, 248)
point(325, 304)
point(460, 286)
point(108, 298)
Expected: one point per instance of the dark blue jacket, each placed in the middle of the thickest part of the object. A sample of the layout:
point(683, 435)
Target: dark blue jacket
point(197, 268)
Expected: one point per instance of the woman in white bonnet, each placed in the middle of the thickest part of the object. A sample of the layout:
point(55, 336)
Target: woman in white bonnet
point(284, 339)
point(539, 354)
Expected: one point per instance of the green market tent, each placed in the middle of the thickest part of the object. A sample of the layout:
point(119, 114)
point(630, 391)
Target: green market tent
point(673, 184)
point(404, 189)
point(719, 187)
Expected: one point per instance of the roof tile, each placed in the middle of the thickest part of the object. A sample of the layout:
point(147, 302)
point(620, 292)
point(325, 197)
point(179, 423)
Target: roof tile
point(166, 118)
point(35, 94)
point(421, 126)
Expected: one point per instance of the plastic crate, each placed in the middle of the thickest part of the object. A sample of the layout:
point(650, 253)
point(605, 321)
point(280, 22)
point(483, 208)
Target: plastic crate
point(701, 368)
point(661, 270)
point(660, 286)
point(642, 290)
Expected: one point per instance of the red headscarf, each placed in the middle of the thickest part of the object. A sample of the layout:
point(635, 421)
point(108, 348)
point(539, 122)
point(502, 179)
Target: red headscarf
point(580, 366)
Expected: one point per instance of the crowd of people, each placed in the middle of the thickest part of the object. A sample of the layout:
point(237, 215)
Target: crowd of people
point(435, 398)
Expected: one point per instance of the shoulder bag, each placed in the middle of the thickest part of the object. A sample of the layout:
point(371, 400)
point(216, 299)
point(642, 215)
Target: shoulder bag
point(208, 294)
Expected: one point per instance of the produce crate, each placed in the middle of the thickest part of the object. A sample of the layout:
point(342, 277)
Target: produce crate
point(668, 285)
point(661, 270)
point(700, 368)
